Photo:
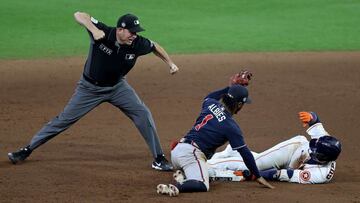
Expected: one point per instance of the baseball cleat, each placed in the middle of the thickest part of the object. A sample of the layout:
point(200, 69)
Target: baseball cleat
point(161, 164)
point(170, 190)
point(20, 155)
point(179, 176)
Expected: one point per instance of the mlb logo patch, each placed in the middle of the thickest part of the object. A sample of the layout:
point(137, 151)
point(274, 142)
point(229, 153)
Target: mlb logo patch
point(129, 56)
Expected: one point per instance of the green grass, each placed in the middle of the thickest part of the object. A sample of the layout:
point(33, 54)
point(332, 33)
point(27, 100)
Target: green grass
point(46, 28)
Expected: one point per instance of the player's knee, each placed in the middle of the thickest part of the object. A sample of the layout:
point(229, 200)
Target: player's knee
point(142, 117)
point(143, 112)
point(192, 186)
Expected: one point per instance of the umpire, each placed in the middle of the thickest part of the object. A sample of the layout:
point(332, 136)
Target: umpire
point(113, 53)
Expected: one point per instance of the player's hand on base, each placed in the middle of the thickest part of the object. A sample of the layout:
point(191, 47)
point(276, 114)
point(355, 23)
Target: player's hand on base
point(173, 69)
point(263, 182)
point(98, 34)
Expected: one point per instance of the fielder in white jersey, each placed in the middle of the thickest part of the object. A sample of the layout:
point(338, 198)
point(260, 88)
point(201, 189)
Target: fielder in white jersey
point(295, 160)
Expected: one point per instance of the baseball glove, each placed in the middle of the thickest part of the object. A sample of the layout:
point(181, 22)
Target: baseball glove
point(308, 118)
point(242, 78)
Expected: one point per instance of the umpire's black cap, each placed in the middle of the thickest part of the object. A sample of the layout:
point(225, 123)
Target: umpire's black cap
point(239, 93)
point(130, 22)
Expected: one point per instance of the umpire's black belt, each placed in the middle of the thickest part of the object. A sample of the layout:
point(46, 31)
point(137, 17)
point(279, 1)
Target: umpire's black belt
point(100, 84)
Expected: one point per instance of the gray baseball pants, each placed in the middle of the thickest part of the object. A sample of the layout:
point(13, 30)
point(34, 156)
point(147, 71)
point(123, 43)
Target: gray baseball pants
point(88, 96)
point(192, 161)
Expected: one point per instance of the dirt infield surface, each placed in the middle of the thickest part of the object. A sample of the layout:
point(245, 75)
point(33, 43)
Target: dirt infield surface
point(103, 158)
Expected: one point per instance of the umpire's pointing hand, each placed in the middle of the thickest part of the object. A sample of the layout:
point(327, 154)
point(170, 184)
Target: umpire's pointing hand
point(173, 69)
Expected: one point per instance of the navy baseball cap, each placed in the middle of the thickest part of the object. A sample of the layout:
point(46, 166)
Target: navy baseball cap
point(239, 93)
point(130, 22)
point(326, 148)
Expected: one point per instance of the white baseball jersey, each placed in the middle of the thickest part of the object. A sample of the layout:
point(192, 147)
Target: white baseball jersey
point(292, 153)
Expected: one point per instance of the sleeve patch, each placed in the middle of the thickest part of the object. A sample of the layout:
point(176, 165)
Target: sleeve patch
point(305, 175)
point(94, 20)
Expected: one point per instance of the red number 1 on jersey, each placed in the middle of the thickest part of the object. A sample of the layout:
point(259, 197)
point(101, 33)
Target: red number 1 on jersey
point(204, 122)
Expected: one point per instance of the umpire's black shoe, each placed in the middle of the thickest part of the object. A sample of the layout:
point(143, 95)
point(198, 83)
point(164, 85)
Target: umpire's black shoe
point(161, 164)
point(20, 155)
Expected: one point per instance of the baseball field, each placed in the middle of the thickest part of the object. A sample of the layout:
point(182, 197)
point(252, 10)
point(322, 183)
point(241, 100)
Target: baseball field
point(305, 55)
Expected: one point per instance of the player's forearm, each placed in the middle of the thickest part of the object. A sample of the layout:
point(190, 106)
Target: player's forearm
point(84, 19)
point(249, 161)
point(161, 53)
point(275, 174)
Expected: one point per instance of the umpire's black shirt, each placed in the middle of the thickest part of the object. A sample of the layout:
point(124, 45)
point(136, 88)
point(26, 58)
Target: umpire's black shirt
point(108, 61)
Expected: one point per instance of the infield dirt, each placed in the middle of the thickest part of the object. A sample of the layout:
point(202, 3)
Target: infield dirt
point(103, 158)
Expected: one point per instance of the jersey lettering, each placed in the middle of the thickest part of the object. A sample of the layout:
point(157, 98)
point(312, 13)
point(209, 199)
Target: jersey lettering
point(204, 122)
point(331, 172)
point(218, 112)
point(105, 49)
